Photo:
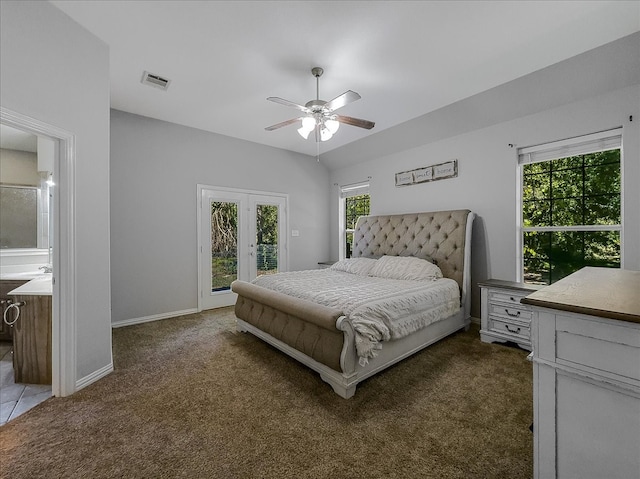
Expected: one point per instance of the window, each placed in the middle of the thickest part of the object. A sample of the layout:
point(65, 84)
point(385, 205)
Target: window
point(354, 202)
point(570, 208)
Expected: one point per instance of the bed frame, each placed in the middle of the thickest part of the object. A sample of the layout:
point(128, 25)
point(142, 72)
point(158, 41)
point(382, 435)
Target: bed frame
point(323, 338)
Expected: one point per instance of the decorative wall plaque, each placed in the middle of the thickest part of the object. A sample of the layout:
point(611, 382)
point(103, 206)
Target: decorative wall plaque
point(430, 173)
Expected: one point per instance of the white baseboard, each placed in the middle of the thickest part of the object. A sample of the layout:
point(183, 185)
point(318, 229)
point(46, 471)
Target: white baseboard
point(475, 320)
point(94, 376)
point(154, 317)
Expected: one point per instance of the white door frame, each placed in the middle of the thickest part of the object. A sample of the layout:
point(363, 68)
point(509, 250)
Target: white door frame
point(63, 341)
point(283, 260)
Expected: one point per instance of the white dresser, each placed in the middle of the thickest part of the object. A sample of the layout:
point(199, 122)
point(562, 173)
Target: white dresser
point(503, 317)
point(585, 334)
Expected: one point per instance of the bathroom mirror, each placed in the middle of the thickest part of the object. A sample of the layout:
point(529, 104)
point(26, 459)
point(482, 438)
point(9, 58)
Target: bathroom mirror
point(24, 191)
point(18, 217)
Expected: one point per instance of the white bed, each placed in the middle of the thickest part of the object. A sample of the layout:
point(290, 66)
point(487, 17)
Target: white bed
point(363, 315)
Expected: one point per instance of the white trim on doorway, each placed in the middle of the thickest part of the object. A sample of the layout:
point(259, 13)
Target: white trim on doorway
point(64, 347)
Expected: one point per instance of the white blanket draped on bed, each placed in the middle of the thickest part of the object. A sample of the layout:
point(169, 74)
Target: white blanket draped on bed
point(379, 309)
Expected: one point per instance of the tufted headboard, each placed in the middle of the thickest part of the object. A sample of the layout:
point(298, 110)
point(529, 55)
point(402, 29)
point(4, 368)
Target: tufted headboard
point(443, 236)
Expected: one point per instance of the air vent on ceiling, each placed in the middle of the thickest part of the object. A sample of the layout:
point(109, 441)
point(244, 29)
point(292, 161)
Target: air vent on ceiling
point(155, 81)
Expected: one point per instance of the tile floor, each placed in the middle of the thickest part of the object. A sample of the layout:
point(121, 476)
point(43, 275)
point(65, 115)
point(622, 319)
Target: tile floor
point(16, 399)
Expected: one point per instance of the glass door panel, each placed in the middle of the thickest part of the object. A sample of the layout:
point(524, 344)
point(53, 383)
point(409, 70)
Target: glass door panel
point(224, 245)
point(266, 239)
point(267, 231)
point(223, 249)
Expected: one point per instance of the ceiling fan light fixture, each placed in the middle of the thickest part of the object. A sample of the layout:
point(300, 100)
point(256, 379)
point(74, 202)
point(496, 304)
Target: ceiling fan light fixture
point(325, 134)
point(332, 125)
point(308, 123)
point(304, 133)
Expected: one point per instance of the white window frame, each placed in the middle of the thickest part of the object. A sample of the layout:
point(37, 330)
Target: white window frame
point(347, 191)
point(581, 145)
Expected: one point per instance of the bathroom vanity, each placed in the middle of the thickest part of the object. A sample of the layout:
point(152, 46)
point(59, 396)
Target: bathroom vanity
point(32, 331)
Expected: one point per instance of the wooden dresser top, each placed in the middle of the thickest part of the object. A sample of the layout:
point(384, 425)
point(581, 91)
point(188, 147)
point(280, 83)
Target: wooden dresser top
point(605, 292)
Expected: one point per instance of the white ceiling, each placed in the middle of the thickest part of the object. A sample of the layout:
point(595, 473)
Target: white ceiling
point(405, 58)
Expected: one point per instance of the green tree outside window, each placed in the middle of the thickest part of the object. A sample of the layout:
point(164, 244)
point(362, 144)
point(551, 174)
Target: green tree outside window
point(355, 206)
point(562, 201)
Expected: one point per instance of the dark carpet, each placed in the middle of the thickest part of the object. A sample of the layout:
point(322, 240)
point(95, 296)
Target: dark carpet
point(192, 398)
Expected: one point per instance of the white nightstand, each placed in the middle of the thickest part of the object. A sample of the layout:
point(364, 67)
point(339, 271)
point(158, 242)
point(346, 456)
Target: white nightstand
point(503, 318)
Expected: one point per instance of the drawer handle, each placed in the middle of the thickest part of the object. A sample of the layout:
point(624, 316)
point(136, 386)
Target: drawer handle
point(516, 331)
point(513, 299)
point(513, 315)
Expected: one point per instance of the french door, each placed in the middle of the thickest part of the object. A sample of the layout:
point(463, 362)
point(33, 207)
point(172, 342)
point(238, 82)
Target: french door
point(242, 235)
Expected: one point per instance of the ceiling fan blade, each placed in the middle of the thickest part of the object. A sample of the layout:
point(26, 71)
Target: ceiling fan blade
point(342, 100)
point(284, 123)
point(347, 120)
point(284, 102)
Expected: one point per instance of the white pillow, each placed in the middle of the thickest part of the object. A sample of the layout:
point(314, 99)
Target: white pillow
point(360, 266)
point(405, 267)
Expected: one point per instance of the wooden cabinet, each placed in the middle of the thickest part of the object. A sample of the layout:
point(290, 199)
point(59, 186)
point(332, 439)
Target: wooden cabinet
point(586, 376)
point(503, 317)
point(32, 340)
point(6, 285)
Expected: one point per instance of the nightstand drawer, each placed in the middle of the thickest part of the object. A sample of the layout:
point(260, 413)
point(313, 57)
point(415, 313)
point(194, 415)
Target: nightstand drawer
point(515, 313)
point(508, 297)
point(506, 328)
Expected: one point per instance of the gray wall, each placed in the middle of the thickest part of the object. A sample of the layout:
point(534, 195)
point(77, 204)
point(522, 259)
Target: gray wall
point(53, 70)
point(155, 169)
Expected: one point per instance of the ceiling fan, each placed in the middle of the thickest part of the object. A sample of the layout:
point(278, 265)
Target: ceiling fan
point(320, 116)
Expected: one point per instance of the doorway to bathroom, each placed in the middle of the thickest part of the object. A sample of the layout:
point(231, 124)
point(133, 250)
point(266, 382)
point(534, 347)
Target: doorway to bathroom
point(26, 220)
point(60, 251)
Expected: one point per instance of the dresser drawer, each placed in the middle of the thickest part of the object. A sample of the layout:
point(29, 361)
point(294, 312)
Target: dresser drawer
point(510, 313)
point(605, 346)
point(506, 328)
